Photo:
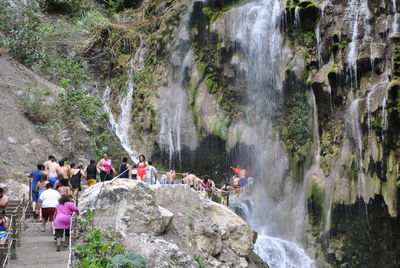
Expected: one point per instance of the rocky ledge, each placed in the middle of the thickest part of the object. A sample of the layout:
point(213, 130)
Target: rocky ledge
point(170, 224)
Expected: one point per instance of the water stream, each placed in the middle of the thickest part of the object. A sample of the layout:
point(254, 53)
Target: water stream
point(121, 124)
point(278, 207)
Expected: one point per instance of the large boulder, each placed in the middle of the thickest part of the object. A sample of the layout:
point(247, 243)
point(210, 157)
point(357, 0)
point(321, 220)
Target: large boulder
point(126, 204)
point(171, 225)
point(214, 222)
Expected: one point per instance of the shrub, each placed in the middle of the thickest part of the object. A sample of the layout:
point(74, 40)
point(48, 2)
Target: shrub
point(67, 7)
point(100, 250)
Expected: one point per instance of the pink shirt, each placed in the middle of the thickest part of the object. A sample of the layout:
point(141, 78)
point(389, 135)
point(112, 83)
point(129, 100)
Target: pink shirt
point(107, 165)
point(63, 215)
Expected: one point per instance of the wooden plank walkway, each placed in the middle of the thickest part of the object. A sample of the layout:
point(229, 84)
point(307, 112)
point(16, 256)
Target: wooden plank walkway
point(38, 249)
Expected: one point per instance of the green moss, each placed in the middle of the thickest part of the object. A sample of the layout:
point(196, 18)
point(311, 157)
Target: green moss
point(316, 194)
point(396, 63)
point(212, 87)
point(207, 12)
point(215, 13)
point(202, 69)
point(306, 4)
point(308, 38)
point(332, 70)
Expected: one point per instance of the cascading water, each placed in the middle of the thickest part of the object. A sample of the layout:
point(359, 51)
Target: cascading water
point(278, 203)
point(357, 135)
point(122, 123)
point(357, 11)
point(395, 26)
point(176, 123)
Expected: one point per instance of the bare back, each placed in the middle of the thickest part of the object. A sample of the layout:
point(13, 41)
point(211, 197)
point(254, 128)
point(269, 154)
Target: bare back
point(64, 172)
point(52, 171)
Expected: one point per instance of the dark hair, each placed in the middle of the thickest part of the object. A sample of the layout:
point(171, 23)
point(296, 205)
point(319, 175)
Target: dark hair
point(192, 172)
point(92, 161)
point(1, 190)
point(51, 157)
point(150, 162)
point(40, 166)
point(125, 159)
point(64, 199)
point(64, 182)
point(205, 178)
point(2, 212)
point(72, 165)
point(106, 154)
point(61, 162)
point(80, 167)
point(48, 185)
point(42, 177)
point(142, 155)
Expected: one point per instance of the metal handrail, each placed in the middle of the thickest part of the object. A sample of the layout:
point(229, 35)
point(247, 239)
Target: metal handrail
point(13, 233)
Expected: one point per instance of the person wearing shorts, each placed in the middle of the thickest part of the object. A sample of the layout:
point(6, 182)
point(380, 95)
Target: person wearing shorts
point(48, 202)
point(4, 225)
point(35, 175)
point(62, 222)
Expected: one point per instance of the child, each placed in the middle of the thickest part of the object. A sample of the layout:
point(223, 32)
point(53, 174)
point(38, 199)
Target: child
point(40, 187)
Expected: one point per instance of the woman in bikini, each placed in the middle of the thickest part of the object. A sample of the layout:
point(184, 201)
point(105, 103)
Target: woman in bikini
point(106, 168)
point(142, 166)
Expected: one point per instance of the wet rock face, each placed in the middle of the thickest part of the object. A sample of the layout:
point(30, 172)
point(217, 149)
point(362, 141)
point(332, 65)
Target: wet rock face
point(364, 235)
point(168, 224)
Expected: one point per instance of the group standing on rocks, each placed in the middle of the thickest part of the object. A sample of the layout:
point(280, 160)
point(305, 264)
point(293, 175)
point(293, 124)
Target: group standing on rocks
point(55, 187)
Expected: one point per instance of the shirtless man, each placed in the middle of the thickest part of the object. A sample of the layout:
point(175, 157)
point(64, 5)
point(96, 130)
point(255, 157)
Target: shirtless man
point(190, 179)
point(3, 200)
point(64, 169)
point(52, 174)
point(171, 176)
point(48, 162)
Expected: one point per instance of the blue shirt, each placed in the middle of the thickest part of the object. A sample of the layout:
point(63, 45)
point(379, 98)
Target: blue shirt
point(36, 177)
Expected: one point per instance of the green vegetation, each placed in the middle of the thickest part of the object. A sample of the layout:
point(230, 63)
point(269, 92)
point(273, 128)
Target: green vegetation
point(200, 260)
point(308, 38)
point(215, 13)
point(332, 69)
point(396, 63)
point(100, 249)
point(296, 132)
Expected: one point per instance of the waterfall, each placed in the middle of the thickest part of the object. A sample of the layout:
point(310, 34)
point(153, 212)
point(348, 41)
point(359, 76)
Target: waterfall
point(395, 17)
point(122, 123)
point(358, 9)
point(357, 135)
point(278, 203)
point(177, 129)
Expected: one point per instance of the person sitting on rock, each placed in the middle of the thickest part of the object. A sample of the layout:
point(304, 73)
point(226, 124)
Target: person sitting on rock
point(206, 183)
point(190, 179)
point(4, 225)
point(62, 221)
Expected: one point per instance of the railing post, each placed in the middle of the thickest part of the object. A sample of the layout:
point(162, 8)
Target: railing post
point(19, 224)
point(14, 237)
point(3, 254)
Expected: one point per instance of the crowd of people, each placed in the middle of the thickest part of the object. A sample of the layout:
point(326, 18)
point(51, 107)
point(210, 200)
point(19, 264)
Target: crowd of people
point(56, 184)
